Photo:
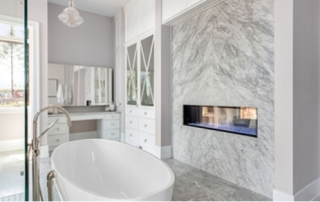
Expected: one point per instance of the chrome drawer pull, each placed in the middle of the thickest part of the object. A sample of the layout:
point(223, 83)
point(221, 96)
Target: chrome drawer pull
point(58, 140)
point(112, 124)
point(130, 111)
point(58, 128)
point(145, 125)
point(130, 122)
point(112, 133)
point(145, 113)
point(130, 135)
point(145, 140)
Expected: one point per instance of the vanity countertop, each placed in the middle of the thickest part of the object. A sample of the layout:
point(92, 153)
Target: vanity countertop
point(85, 114)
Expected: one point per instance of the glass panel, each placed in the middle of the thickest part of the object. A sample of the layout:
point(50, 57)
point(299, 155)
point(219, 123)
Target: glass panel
point(132, 81)
point(13, 108)
point(240, 120)
point(147, 71)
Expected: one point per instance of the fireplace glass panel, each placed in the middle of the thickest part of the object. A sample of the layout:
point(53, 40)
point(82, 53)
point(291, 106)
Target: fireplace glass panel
point(239, 120)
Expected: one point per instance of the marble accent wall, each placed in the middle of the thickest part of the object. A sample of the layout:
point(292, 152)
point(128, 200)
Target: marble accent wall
point(225, 57)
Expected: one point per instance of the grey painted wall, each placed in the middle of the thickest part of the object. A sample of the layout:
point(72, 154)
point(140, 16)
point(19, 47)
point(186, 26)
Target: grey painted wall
point(91, 44)
point(297, 115)
point(225, 57)
point(306, 93)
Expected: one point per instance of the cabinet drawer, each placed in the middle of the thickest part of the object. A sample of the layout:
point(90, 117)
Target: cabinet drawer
point(146, 140)
point(132, 137)
point(58, 129)
point(55, 140)
point(132, 111)
point(147, 126)
point(132, 122)
point(112, 124)
point(53, 119)
point(147, 113)
point(112, 134)
point(112, 116)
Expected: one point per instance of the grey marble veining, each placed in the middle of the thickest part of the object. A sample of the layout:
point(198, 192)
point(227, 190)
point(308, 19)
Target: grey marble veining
point(225, 57)
point(192, 184)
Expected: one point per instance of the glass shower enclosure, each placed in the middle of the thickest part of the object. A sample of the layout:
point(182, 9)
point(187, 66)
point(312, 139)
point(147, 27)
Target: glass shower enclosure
point(13, 100)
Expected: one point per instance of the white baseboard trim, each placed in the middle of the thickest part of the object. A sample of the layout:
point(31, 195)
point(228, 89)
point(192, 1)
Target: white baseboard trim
point(166, 152)
point(44, 151)
point(12, 145)
point(84, 135)
point(311, 192)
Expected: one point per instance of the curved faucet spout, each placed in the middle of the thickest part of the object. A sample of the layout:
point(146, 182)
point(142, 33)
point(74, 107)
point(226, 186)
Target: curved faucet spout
point(52, 107)
point(35, 119)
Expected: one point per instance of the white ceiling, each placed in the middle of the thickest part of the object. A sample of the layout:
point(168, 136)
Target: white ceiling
point(102, 7)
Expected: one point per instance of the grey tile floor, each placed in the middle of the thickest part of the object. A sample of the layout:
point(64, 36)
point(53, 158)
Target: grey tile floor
point(12, 184)
point(191, 184)
point(11, 163)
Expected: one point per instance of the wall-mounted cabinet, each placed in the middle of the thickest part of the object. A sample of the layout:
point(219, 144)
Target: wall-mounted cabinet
point(172, 8)
point(147, 88)
point(140, 73)
point(140, 17)
point(175, 11)
point(140, 111)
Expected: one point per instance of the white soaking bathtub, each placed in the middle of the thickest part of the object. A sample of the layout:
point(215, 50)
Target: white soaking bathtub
point(103, 170)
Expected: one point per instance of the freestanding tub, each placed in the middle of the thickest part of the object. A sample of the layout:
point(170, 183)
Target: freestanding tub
point(90, 170)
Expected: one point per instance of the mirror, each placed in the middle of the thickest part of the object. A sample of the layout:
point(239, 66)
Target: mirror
point(81, 85)
point(147, 72)
point(132, 75)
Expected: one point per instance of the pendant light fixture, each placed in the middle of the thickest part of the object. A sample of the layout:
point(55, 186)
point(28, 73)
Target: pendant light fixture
point(70, 16)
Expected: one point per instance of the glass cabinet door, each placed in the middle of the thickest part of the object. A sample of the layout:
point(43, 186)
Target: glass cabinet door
point(132, 80)
point(147, 71)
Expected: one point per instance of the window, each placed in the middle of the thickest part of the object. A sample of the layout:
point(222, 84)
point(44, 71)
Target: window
point(11, 65)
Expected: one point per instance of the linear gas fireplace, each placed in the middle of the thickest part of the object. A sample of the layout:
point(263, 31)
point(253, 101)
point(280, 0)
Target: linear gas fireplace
point(239, 120)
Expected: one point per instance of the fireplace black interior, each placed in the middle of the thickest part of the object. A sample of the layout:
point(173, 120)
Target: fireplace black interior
point(239, 120)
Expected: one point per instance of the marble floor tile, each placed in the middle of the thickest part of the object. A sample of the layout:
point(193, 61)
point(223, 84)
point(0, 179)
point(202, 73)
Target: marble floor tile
point(192, 184)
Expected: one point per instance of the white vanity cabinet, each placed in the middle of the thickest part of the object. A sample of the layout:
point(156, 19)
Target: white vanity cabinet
point(109, 127)
point(59, 133)
point(139, 17)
